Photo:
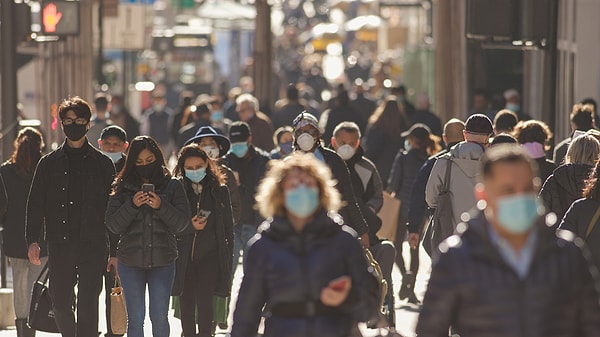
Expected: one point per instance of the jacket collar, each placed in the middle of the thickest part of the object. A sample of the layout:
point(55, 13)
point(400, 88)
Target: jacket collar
point(60, 152)
point(482, 246)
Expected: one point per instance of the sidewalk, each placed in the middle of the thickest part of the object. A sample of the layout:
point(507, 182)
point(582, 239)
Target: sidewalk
point(406, 314)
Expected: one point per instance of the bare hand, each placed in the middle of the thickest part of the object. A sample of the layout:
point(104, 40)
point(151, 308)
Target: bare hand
point(199, 223)
point(34, 254)
point(154, 200)
point(113, 262)
point(140, 198)
point(333, 295)
point(413, 240)
point(364, 240)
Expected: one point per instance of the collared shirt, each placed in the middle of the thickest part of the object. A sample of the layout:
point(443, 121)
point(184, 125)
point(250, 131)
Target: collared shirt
point(518, 261)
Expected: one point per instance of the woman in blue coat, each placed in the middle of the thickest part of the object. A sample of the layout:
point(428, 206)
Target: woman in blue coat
point(306, 269)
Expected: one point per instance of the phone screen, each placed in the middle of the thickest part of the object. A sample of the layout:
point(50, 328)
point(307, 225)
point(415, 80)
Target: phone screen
point(147, 188)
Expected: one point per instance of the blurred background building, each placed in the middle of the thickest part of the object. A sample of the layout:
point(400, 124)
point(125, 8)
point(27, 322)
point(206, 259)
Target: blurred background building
point(545, 49)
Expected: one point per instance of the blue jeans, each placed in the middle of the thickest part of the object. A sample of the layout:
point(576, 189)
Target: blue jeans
point(242, 234)
point(160, 282)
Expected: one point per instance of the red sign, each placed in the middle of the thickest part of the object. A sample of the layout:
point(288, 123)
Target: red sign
point(60, 17)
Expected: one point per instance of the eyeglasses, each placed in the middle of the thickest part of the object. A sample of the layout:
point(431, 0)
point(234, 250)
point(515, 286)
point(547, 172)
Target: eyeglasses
point(79, 121)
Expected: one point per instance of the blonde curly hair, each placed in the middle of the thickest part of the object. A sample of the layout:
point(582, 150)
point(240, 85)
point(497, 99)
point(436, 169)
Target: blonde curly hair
point(270, 200)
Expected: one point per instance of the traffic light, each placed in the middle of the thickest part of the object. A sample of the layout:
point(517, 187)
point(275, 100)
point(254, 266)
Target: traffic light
point(60, 17)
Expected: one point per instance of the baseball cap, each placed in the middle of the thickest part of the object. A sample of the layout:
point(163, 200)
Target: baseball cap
point(113, 130)
point(479, 124)
point(239, 132)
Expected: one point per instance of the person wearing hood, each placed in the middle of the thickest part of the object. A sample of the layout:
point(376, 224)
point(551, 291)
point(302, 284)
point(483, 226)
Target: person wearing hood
point(305, 271)
point(368, 188)
point(307, 139)
point(566, 184)
point(419, 144)
point(284, 140)
point(465, 160)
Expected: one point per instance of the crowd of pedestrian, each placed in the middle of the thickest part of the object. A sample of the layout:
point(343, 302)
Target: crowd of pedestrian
point(296, 200)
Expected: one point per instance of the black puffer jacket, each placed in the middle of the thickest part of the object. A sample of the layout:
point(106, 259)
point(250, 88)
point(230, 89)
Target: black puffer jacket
point(148, 235)
point(190, 241)
point(563, 187)
point(403, 176)
point(285, 267)
point(475, 292)
point(578, 218)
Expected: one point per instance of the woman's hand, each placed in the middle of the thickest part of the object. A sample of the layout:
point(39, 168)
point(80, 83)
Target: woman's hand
point(199, 222)
point(336, 291)
point(154, 200)
point(140, 198)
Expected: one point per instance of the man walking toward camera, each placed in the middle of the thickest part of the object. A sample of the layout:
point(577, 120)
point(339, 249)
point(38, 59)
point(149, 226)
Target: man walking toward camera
point(508, 272)
point(68, 196)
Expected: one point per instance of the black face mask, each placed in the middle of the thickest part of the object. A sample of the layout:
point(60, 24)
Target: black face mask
point(147, 171)
point(75, 131)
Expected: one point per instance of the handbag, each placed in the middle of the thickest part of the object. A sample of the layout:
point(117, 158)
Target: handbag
point(41, 314)
point(389, 217)
point(118, 308)
point(440, 224)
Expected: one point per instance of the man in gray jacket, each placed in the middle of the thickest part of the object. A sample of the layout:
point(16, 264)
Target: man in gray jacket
point(465, 159)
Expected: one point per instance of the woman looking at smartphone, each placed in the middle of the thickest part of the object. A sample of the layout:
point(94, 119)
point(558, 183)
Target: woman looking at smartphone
point(147, 223)
point(206, 248)
point(306, 268)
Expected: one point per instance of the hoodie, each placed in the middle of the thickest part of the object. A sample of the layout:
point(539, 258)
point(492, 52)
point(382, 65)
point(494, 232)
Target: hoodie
point(466, 158)
point(563, 187)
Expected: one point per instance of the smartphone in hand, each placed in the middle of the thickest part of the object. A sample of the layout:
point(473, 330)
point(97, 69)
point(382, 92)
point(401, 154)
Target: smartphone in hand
point(147, 188)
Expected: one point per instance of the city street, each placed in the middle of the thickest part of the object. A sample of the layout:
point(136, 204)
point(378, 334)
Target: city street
point(406, 314)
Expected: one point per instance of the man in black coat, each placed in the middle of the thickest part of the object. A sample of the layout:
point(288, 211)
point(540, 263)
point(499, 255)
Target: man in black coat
point(507, 272)
point(67, 201)
point(307, 138)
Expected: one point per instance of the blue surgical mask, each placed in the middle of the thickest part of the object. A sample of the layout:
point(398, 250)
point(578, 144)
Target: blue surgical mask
point(302, 201)
point(114, 156)
point(513, 107)
point(239, 149)
point(196, 176)
point(286, 148)
point(407, 145)
point(517, 213)
point(217, 116)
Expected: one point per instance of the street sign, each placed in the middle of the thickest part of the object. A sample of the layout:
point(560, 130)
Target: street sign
point(60, 17)
point(127, 31)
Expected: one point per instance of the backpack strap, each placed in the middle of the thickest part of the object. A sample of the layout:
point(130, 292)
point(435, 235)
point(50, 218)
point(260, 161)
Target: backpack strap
point(592, 223)
point(447, 176)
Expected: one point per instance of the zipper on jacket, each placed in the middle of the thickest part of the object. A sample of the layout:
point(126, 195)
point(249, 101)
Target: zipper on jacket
point(198, 196)
point(310, 302)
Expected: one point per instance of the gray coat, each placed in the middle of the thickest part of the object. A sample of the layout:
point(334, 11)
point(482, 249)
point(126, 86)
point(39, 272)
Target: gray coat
point(466, 158)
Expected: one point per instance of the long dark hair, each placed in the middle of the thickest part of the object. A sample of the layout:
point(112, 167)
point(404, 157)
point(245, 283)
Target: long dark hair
point(28, 150)
point(214, 176)
point(129, 175)
point(591, 189)
point(390, 116)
